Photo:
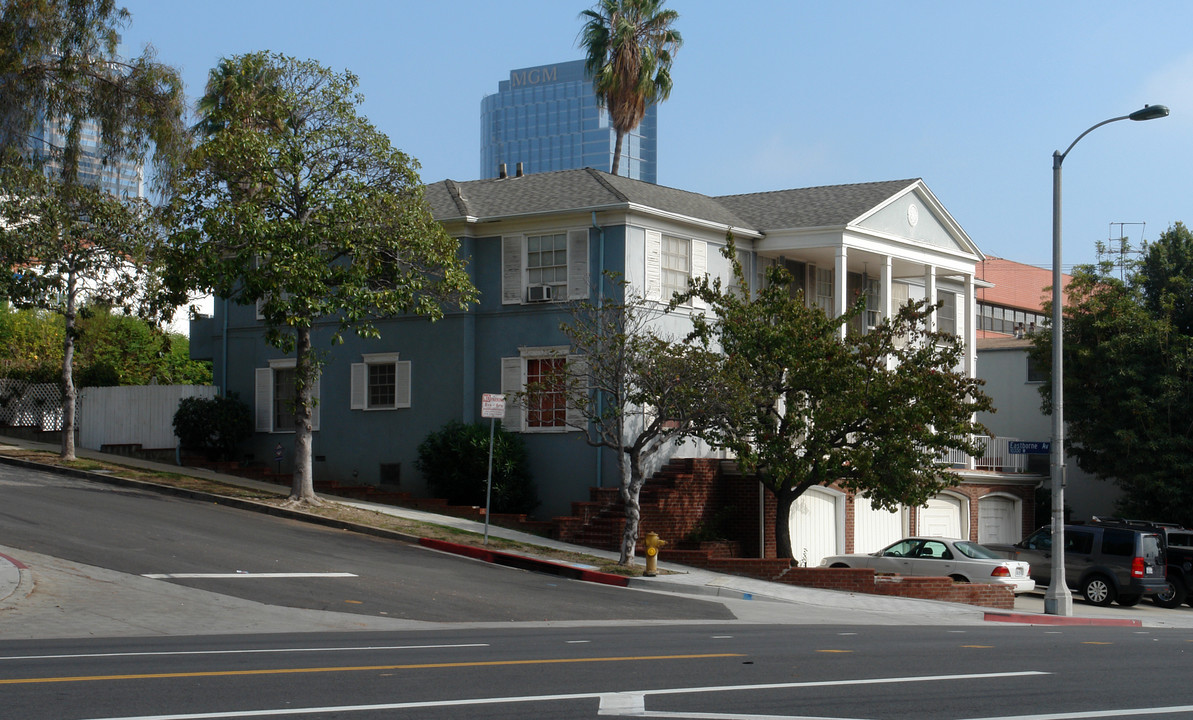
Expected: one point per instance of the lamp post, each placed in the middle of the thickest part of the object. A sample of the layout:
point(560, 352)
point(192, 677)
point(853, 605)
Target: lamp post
point(1058, 601)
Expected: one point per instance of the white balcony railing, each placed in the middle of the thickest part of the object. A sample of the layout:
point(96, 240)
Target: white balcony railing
point(996, 455)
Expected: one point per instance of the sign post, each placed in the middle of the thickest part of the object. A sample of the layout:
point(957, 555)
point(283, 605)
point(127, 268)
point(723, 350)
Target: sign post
point(492, 407)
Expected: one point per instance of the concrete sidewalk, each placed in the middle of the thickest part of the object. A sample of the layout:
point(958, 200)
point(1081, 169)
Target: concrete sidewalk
point(751, 600)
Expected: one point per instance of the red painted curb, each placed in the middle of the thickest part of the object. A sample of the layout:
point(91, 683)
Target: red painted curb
point(20, 565)
point(526, 563)
point(1055, 620)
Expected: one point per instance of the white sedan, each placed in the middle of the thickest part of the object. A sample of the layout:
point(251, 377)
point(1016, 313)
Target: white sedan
point(962, 560)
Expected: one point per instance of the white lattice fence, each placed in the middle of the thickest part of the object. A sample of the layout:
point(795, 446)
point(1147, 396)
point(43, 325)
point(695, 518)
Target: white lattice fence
point(30, 405)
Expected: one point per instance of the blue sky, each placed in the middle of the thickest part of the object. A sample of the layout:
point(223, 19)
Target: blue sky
point(973, 97)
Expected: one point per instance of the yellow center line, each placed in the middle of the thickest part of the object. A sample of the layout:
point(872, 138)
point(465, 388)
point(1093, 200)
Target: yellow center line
point(835, 651)
point(361, 668)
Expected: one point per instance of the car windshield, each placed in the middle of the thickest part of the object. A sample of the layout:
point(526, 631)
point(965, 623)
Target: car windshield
point(973, 550)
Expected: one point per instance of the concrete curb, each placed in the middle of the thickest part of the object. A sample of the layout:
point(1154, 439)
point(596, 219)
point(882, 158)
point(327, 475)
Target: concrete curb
point(16, 580)
point(1030, 619)
point(523, 562)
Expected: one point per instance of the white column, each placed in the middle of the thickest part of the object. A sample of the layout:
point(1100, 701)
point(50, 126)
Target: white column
point(886, 302)
point(930, 292)
point(971, 327)
point(840, 284)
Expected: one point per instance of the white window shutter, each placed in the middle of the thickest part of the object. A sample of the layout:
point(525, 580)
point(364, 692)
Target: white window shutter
point(699, 267)
point(263, 394)
point(511, 269)
point(578, 264)
point(357, 395)
point(512, 382)
point(403, 379)
point(654, 265)
point(578, 380)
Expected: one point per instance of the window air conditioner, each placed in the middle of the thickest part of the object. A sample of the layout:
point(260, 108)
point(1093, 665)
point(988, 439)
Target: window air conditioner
point(538, 293)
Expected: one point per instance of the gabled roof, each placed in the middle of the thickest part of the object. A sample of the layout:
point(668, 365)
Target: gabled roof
point(825, 206)
point(591, 190)
point(1017, 285)
point(567, 191)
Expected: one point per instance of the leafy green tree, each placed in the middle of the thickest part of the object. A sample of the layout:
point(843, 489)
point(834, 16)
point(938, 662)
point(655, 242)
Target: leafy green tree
point(629, 46)
point(454, 460)
point(816, 403)
point(634, 390)
point(69, 241)
point(1128, 360)
point(313, 218)
point(30, 345)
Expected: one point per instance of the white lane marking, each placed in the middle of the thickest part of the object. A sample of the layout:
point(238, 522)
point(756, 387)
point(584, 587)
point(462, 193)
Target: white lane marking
point(191, 576)
point(577, 642)
point(283, 712)
point(243, 652)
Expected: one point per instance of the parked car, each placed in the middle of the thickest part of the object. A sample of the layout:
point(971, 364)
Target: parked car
point(1178, 554)
point(962, 560)
point(1103, 563)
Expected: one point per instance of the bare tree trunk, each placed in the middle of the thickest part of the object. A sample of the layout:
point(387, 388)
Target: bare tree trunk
point(302, 489)
point(68, 381)
point(630, 492)
point(617, 152)
point(785, 499)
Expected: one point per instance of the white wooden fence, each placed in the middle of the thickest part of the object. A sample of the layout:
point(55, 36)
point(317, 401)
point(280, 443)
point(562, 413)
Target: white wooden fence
point(133, 415)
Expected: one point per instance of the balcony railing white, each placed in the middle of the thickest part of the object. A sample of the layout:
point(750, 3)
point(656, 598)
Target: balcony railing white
point(996, 455)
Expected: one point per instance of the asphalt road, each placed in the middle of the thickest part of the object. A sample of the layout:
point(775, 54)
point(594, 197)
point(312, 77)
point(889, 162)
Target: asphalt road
point(290, 564)
point(689, 671)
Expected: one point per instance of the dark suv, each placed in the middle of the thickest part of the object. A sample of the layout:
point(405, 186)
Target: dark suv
point(1178, 552)
point(1104, 562)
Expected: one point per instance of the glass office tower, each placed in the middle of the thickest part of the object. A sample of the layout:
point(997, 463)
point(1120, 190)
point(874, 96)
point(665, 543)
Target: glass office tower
point(121, 178)
point(547, 118)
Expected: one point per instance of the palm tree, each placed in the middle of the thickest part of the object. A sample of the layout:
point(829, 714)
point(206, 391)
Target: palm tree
point(629, 46)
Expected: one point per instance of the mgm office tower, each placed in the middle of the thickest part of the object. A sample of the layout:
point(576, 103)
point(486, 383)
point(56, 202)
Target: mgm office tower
point(547, 118)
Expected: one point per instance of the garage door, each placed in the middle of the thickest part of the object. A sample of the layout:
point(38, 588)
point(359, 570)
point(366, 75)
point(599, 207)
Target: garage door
point(874, 529)
point(814, 524)
point(941, 517)
point(998, 520)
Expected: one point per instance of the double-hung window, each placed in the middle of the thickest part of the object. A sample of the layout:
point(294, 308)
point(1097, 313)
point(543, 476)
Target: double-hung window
point(538, 384)
point(677, 265)
point(946, 316)
point(380, 382)
point(672, 263)
point(274, 397)
point(544, 267)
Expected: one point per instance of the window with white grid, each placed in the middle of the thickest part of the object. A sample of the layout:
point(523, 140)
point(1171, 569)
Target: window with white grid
point(547, 262)
point(677, 265)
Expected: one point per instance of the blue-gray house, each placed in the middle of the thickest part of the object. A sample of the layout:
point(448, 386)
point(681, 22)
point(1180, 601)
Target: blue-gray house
point(535, 241)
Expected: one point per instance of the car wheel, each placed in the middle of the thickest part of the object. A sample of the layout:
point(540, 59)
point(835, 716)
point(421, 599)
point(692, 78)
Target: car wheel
point(838, 565)
point(1129, 600)
point(1171, 596)
point(959, 578)
point(1097, 590)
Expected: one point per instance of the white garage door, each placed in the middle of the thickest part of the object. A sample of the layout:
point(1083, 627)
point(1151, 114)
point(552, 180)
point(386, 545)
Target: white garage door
point(874, 529)
point(813, 524)
point(998, 521)
point(942, 517)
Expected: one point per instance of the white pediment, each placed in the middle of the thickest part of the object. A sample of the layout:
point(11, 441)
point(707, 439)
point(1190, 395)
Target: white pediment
point(917, 216)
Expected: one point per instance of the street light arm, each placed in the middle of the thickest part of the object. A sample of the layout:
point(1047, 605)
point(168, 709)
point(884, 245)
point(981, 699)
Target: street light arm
point(1059, 157)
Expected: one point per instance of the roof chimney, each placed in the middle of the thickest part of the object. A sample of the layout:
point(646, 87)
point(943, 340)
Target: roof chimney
point(501, 173)
point(519, 170)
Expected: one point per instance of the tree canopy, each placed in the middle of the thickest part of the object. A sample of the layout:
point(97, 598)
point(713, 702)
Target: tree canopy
point(295, 203)
point(629, 46)
point(67, 239)
point(817, 403)
point(1128, 362)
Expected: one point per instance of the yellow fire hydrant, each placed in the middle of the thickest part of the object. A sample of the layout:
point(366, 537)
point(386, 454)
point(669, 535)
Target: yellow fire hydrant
point(652, 543)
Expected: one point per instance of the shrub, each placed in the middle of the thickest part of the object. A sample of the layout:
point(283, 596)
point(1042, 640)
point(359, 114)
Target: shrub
point(213, 426)
point(454, 460)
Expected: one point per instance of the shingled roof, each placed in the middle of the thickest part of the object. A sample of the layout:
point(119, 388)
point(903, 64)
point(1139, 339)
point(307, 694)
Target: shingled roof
point(588, 190)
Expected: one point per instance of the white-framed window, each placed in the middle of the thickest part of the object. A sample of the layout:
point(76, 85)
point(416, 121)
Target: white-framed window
point(873, 291)
point(548, 371)
point(672, 262)
point(677, 265)
point(544, 267)
point(380, 382)
point(946, 316)
point(274, 394)
point(825, 281)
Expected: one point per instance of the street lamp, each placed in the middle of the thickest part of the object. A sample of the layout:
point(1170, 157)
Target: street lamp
point(1058, 601)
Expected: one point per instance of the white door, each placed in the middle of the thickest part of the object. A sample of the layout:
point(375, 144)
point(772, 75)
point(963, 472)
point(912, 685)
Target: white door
point(874, 529)
point(998, 521)
point(813, 525)
point(941, 517)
